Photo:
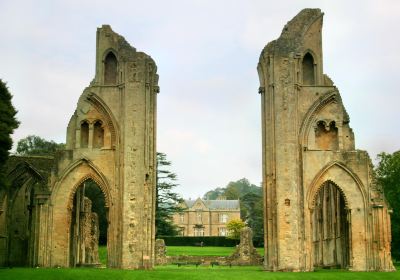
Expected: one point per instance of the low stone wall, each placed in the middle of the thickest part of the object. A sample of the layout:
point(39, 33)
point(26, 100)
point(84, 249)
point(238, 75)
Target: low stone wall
point(198, 260)
point(245, 254)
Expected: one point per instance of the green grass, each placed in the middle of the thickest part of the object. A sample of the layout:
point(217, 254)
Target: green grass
point(203, 251)
point(186, 251)
point(199, 251)
point(103, 255)
point(185, 273)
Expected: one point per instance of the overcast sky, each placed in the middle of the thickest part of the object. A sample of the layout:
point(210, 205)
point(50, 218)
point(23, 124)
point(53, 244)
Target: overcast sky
point(209, 120)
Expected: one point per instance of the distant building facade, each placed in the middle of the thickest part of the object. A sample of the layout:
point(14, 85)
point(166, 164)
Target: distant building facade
point(206, 217)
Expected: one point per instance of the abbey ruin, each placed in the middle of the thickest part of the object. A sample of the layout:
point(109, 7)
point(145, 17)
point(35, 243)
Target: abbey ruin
point(322, 207)
point(110, 141)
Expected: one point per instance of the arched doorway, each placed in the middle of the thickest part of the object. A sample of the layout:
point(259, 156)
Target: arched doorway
point(330, 228)
point(89, 226)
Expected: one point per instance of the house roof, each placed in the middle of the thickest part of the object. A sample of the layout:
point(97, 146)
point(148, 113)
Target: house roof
point(215, 204)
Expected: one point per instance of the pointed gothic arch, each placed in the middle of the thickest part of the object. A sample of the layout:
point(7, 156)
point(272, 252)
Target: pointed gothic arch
point(110, 68)
point(308, 69)
point(310, 117)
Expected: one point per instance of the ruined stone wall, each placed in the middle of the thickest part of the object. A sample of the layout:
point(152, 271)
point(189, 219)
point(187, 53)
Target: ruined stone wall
point(307, 141)
point(110, 140)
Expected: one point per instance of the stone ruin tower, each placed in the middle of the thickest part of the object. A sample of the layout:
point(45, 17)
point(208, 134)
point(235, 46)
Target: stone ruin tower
point(322, 206)
point(111, 140)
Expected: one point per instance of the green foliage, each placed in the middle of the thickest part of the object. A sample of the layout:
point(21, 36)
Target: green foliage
point(252, 211)
point(234, 227)
point(166, 200)
point(216, 241)
point(35, 145)
point(8, 123)
point(234, 190)
point(388, 176)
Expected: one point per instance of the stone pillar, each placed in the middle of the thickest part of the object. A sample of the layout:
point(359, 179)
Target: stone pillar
point(160, 252)
point(90, 142)
point(245, 253)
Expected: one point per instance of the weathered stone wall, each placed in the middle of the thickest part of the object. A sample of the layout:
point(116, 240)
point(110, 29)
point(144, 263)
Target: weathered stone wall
point(110, 140)
point(307, 142)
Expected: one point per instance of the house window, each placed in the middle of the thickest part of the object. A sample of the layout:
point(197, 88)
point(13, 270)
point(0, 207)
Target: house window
point(222, 231)
point(198, 231)
point(198, 217)
point(181, 218)
point(223, 218)
point(181, 231)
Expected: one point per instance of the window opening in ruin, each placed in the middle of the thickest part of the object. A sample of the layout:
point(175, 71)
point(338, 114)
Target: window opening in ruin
point(326, 136)
point(84, 134)
point(98, 135)
point(110, 69)
point(330, 228)
point(308, 70)
point(89, 223)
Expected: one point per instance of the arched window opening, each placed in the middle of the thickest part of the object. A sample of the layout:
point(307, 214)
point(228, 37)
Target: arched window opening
point(84, 134)
point(110, 69)
point(89, 223)
point(98, 135)
point(308, 70)
point(326, 136)
point(330, 228)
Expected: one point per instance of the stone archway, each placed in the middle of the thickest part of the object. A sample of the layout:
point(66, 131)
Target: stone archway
point(89, 221)
point(64, 207)
point(330, 222)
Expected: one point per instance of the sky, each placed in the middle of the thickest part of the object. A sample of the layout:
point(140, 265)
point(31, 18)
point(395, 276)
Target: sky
point(209, 109)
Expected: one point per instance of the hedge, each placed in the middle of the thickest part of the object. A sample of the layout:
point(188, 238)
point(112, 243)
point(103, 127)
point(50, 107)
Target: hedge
point(217, 241)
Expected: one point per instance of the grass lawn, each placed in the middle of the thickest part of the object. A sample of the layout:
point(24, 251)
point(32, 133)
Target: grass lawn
point(203, 251)
point(185, 273)
point(103, 254)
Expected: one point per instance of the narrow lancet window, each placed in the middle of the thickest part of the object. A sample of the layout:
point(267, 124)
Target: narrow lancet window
point(110, 69)
point(84, 134)
point(98, 135)
point(308, 70)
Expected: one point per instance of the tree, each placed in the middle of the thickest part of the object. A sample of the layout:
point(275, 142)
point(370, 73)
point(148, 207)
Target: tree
point(388, 177)
point(35, 145)
point(251, 208)
point(234, 227)
point(214, 194)
point(166, 200)
point(8, 123)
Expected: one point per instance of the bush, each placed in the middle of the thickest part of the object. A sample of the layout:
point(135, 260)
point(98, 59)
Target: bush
point(216, 241)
